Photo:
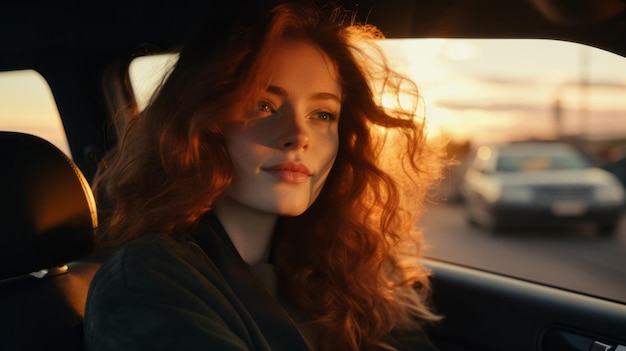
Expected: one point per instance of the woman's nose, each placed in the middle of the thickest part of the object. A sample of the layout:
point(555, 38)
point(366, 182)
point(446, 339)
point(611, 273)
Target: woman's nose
point(293, 134)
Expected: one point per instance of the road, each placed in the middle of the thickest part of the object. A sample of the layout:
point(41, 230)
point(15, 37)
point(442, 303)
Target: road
point(573, 258)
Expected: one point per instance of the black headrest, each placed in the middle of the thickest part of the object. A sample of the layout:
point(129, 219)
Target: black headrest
point(47, 210)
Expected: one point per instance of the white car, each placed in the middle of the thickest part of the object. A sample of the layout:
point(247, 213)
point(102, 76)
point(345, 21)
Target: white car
point(539, 183)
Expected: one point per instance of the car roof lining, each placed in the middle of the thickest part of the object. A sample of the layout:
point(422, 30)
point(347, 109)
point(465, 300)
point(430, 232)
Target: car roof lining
point(74, 43)
point(121, 27)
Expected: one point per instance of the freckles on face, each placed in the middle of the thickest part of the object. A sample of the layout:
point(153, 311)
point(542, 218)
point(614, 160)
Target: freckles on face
point(283, 154)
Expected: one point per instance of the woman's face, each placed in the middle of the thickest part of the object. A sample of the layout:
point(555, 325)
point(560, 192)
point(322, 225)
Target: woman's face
point(283, 154)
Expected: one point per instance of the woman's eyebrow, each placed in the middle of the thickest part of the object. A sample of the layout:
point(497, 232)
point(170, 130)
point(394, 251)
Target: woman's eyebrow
point(326, 96)
point(276, 90)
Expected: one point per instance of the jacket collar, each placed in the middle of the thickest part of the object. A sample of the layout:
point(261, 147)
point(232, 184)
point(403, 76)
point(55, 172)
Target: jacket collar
point(279, 330)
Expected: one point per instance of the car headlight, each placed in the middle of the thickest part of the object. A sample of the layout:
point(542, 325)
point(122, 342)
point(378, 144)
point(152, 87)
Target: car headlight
point(609, 193)
point(516, 194)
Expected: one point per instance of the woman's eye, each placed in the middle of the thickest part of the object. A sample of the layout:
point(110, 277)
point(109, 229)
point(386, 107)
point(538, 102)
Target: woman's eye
point(265, 109)
point(325, 116)
point(265, 106)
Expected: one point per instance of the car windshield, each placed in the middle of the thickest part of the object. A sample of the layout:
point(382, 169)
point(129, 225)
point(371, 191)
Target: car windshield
point(533, 163)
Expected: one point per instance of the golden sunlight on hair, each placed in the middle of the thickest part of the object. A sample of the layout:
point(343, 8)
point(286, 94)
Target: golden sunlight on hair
point(399, 95)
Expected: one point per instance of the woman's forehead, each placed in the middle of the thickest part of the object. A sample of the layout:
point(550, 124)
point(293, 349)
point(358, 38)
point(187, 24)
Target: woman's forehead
point(301, 59)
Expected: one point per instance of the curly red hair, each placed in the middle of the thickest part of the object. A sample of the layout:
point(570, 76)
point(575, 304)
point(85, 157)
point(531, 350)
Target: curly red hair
point(350, 262)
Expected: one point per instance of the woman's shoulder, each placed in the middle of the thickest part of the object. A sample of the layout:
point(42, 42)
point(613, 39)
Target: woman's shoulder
point(158, 246)
point(154, 256)
point(162, 292)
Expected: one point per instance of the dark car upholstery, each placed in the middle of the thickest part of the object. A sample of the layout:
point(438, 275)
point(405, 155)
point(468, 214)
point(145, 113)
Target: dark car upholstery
point(48, 217)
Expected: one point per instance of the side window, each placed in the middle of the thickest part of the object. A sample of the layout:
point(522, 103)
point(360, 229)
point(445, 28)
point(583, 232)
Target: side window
point(541, 106)
point(27, 105)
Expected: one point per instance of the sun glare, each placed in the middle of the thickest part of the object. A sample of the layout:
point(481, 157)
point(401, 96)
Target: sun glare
point(499, 90)
point(27, 105)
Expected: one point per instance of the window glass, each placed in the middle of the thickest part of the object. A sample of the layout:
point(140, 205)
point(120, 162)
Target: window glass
point(146, 72)
point(549, 211)
point(27, 105)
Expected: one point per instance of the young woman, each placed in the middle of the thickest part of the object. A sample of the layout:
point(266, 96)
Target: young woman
point(254, 203)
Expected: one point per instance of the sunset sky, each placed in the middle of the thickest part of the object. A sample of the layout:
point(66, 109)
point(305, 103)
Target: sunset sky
point(476, 90)
point(492, 90)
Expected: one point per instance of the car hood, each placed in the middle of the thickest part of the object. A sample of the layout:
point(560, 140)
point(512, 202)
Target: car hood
point(588, 176)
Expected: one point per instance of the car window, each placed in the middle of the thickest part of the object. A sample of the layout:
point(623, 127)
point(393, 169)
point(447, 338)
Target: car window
point(566, 206)
point(547, 215)
point(27, 105)
point(146, 72)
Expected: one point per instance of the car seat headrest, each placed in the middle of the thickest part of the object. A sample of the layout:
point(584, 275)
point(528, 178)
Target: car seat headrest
point(47, 210)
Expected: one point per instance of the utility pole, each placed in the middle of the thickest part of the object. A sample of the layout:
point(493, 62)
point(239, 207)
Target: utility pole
point(583, 92)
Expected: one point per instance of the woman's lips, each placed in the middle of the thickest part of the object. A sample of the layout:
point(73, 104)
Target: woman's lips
point(289, 172)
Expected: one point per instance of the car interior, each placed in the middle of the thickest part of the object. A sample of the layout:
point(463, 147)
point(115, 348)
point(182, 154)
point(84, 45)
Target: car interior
point(83, 50)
